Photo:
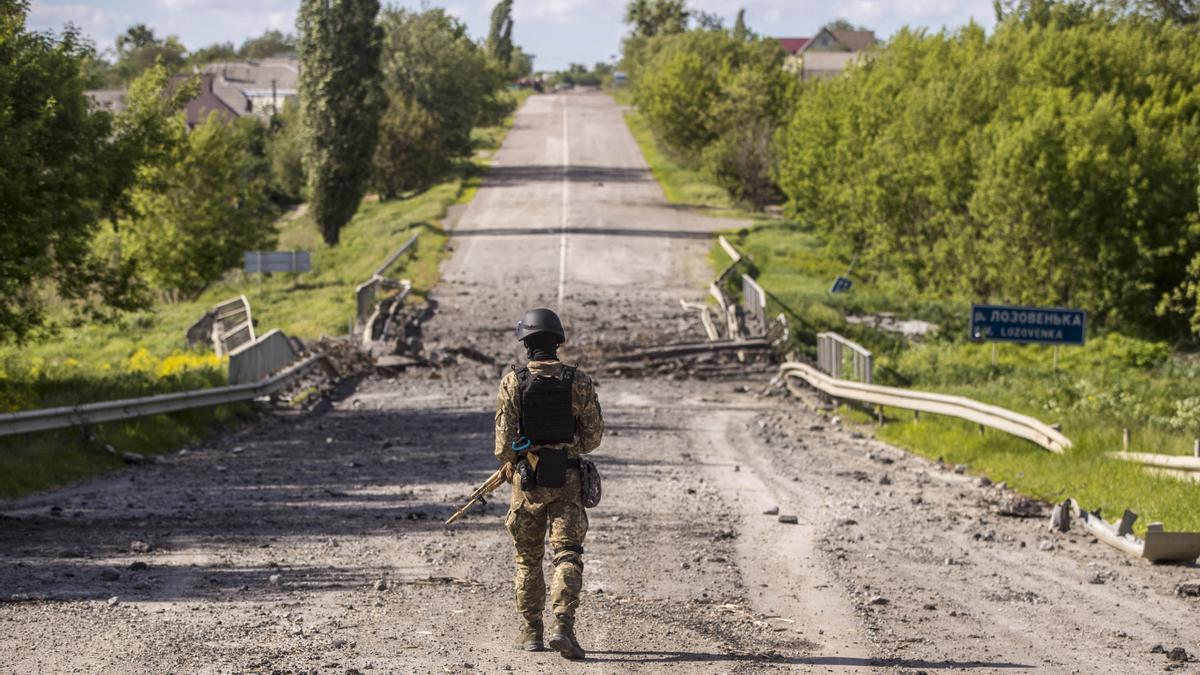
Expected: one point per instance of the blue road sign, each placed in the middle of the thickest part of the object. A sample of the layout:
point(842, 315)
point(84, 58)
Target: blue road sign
point(1052, 326)
point(841, 285)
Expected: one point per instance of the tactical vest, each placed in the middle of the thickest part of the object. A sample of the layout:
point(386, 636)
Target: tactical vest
point(546, 415)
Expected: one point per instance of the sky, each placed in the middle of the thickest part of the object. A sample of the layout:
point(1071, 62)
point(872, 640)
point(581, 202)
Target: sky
point(557, 32)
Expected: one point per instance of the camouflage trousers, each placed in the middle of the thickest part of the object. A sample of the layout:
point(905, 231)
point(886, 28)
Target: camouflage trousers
point(531, 515)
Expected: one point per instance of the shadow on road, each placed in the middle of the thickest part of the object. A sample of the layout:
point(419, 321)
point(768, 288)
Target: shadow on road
point(516, 175)
point(701, 657)
point(599, 231)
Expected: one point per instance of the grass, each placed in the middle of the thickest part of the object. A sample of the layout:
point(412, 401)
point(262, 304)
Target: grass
point(145, 353)
point(1113, 382)
point(680, 184)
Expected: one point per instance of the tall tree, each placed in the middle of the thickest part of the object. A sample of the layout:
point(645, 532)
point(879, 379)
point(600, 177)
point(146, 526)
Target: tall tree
point(341, 101)
point(499, 41)
point(740, 31)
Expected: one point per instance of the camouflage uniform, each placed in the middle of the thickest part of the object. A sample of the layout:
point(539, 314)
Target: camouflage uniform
point(560, 510)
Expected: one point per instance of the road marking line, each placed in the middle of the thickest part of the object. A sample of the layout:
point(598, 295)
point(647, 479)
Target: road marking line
point(562, 244)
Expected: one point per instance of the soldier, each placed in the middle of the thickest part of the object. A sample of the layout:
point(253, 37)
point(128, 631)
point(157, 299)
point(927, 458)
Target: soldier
point(547, 415)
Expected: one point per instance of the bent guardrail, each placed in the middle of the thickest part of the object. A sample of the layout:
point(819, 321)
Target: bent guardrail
point(994, 417)
point(831, 349)
point(47, 419)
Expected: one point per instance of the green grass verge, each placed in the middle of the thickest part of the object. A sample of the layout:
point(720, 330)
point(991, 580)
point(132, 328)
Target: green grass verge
point(145, 353)
point(1110, 384)
point(680, 184)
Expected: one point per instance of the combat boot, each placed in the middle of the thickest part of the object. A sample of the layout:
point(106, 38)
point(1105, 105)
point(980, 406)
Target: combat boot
point(530, 638)
point(562, 638)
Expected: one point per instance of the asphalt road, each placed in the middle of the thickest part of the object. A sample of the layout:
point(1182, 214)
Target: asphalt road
point(314, 542)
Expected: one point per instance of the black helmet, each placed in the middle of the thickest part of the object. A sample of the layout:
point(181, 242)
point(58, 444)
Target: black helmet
point(540, 320)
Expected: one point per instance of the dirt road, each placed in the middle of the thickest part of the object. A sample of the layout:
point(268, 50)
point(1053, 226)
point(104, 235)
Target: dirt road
point(315, 542)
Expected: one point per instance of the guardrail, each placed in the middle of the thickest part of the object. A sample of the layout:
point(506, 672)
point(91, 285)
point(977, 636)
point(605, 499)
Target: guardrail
point(754, 298)
point(1173, 466)
point(831, 349)
point(227, 326)
point(46, 419)
point(367, 292)
point(960, 407)
point(255, 361)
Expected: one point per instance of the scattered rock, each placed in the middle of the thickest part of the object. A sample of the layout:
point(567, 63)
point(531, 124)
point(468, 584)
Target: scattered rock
point(137, 546)
point(380, 585)
point(885, 480)
point(133, 458)
point(1045, 545)
point(275, 579)
point(109, 574)
point(138, 565)
point(1188, 589)
point(1096, 579)
point(983, 481)
point(773, 511)
point(836, 421)
point(790, 520)
point(1158, 649)
point(1178, 654)
point(929, 606)
point(114, 601)
point(878, 600)
point(960, 468)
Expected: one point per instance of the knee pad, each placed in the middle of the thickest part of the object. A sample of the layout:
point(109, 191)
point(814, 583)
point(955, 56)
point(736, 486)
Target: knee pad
point(569, 555)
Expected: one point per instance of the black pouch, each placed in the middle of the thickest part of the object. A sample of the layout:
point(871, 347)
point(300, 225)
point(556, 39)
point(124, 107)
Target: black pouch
point(527, 475)
point(552, 467)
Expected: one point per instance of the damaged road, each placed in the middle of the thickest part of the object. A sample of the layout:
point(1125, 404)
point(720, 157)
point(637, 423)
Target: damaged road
point(740, 531)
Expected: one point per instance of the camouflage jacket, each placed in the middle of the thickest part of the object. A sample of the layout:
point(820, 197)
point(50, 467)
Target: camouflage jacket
point(589, 424)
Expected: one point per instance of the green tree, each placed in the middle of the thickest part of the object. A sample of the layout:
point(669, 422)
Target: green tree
point(195, 215)
point(1051, 162)
point(440, 86)
point(649, 18)
point(270, 43)
point(66, 167)
point(214, 53)
point(138, 48)
point(521, 64)
point(740, 31)
point(285, 152)
point(341, 102)
point(499, 40)
point(843, 24)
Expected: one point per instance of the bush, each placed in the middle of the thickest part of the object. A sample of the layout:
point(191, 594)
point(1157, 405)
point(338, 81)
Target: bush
point(1050, 163)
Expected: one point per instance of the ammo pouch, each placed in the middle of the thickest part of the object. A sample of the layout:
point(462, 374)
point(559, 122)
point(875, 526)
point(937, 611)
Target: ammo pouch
point(552, 467)
point(589, 483)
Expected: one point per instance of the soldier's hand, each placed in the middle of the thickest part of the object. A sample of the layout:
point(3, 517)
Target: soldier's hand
point(509, 471)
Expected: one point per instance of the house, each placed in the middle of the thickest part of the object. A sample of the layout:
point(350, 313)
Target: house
point(259, 88)
point(232, 90)
point(827, 53)
point(112, 100)
point(206, 103)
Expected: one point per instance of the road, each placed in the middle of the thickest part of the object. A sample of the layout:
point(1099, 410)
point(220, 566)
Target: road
point(314, 542)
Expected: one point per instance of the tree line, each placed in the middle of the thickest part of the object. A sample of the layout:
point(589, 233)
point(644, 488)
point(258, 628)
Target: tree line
point(106, 212)
point(1054, 160)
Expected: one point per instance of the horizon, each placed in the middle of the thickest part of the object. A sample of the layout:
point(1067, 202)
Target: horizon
point(556, 32)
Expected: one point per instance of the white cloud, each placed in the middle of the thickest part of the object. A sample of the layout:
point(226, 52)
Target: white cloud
point(100, 24)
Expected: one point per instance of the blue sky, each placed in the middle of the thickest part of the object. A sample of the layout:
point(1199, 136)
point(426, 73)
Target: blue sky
point(558, 32)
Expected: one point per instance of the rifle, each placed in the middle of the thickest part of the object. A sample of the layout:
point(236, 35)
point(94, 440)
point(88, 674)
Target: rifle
point(494, 481)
